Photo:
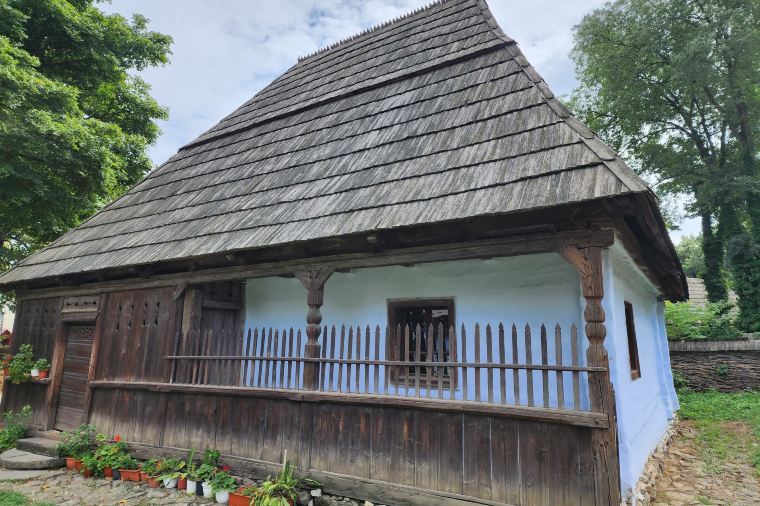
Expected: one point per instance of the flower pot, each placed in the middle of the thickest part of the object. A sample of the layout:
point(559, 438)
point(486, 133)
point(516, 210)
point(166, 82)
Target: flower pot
point(6, 371)
point(35, 373)
point(107, 472)
point(44, 373)
point(143, 477)
point(222, 497)
point(116, 474)
point(170, 483)
point(182, 483)
point(129, 474)
point(239, 499)
point(191, 484)
point(207, 491)
point(87, 473)
point(153, 482)
point(78, 465)
point(71, 463)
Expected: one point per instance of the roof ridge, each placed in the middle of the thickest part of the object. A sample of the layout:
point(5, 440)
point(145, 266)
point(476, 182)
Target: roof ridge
point(372, 29)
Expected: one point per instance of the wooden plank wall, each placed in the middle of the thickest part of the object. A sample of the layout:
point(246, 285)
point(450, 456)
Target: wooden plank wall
point(504, 460)
point(138, 331)
point(37, 322)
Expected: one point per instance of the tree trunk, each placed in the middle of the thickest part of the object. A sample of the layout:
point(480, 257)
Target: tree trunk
point(712, 248)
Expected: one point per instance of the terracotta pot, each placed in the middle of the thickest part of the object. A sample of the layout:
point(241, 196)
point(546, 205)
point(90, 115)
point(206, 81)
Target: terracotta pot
point(71, 463)
point(6, 371)
point(143, 477)
point(153, 482)
point(182, 483)
point(43, 373)
point(239, 499)
point(87, 473)
point(78, 465)
point(107, 472)
point(130, 474)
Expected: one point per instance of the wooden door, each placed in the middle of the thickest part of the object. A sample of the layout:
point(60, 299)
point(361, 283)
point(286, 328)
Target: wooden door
point(76, 364)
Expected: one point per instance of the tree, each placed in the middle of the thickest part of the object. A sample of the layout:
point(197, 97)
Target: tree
point(74, 124)
point(692, 258)
point(674, 85)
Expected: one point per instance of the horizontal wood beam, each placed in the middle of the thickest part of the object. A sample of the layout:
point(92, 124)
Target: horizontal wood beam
point(522, 244)
point(562, 416)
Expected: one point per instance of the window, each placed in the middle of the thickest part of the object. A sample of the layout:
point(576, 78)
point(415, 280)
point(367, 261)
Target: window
point(633, 347)
point(434, 346)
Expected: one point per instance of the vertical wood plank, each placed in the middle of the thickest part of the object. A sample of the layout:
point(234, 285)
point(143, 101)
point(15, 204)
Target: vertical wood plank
point(416, 358)
point(477, 361)
point(366, 358)
point(322, 365)
point(453, 357)
point(349, 356)
point(477, 456)
point(429, 365)
point(341, 356)
point(246, 352)
point(529, 362)
point(544, 361)
point(576, 375)
point(331, 386)
point(272, 334)
point(465, 391)
point(299, 385)
point(439, 365)
point(558, 361)
point(358, 356)
point(489, 358)
point(290, 356)
point(376, 368)
point(407, 332)
point(283, 345)
point(502, 361)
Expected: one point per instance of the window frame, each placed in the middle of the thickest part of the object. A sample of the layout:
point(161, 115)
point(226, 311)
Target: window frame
point(394, 304)
point(633, 346)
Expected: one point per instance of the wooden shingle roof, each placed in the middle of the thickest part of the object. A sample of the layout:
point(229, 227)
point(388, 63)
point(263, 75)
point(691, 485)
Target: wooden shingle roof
point(433, 117)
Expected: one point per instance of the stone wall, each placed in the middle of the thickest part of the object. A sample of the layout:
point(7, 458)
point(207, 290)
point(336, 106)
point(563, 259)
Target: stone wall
point(726, 366)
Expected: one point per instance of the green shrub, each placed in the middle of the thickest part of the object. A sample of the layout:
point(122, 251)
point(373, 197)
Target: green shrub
point(679, 380)
point(15, 427)
point(721, 370)
point(21, 365)
point(684, 320)
point(77, 442)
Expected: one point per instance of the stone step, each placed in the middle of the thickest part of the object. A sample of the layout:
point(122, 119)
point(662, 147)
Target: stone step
point(45, 434)
point(38, 445)
point(19, 459)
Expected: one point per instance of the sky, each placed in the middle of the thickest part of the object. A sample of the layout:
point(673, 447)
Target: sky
point(225, 51)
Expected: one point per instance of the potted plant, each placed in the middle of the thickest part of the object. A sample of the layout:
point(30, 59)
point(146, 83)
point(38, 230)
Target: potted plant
point(43, 368)
point(21, 365)
point(282, 491)
point(204, 474)
point(221, 485)
point(74, 444)
point(89, 465)
point(244, 496)
point(189, 465)
point(169, 470)
point(149, 472)
point(108, 454)
point(128, 468)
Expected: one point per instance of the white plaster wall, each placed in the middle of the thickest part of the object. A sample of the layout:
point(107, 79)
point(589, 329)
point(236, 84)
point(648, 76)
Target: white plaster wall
point(645, 406)
point(531, 289)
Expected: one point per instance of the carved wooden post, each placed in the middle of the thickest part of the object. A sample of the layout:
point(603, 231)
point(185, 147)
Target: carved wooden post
point(314, 281)
point(588, 262)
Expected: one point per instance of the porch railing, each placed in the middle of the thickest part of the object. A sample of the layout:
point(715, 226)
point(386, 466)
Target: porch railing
point(496, 365)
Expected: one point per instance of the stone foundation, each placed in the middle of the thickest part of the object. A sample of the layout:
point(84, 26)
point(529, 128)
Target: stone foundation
point(644, 492)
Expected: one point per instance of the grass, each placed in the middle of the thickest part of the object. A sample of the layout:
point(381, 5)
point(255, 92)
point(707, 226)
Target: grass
point(712, 411)
point(8, 498)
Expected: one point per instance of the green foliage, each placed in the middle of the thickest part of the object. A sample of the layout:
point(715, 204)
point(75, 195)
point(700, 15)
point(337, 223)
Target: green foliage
point(150, 467)
point(211, 457)
point(77, 442)
point(249, 491)
point(679, 381)
point(15, 427)
point(721, 370)
point(74, 124)
point(712, 409)
point(170, 468)
point(684, 320)
point(126, 462)
point(42, 364)
point(21, 364)
point(203, 473)
point(692, 257)
point(89, 463)
point(222, 481)
point(277, 492)
point(109, 454)
point(744, 258)
point(9, 498)
point(674, 85)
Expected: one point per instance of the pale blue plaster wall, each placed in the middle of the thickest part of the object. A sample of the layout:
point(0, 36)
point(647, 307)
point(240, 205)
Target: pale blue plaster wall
point(645, 406)
point(531, 289)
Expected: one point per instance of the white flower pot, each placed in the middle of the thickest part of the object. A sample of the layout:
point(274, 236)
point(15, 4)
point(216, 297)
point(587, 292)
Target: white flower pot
point(206, 490)
point(35, 373)
point(222, 497)
point(191, 487)
point(170, 483)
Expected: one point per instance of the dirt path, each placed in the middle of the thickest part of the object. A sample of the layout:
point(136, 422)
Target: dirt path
point(709, 465)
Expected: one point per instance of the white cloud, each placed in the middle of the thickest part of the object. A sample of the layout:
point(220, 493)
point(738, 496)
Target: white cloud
point(226, 51)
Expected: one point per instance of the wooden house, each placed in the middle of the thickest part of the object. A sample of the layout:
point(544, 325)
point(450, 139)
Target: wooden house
point(404, 263)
